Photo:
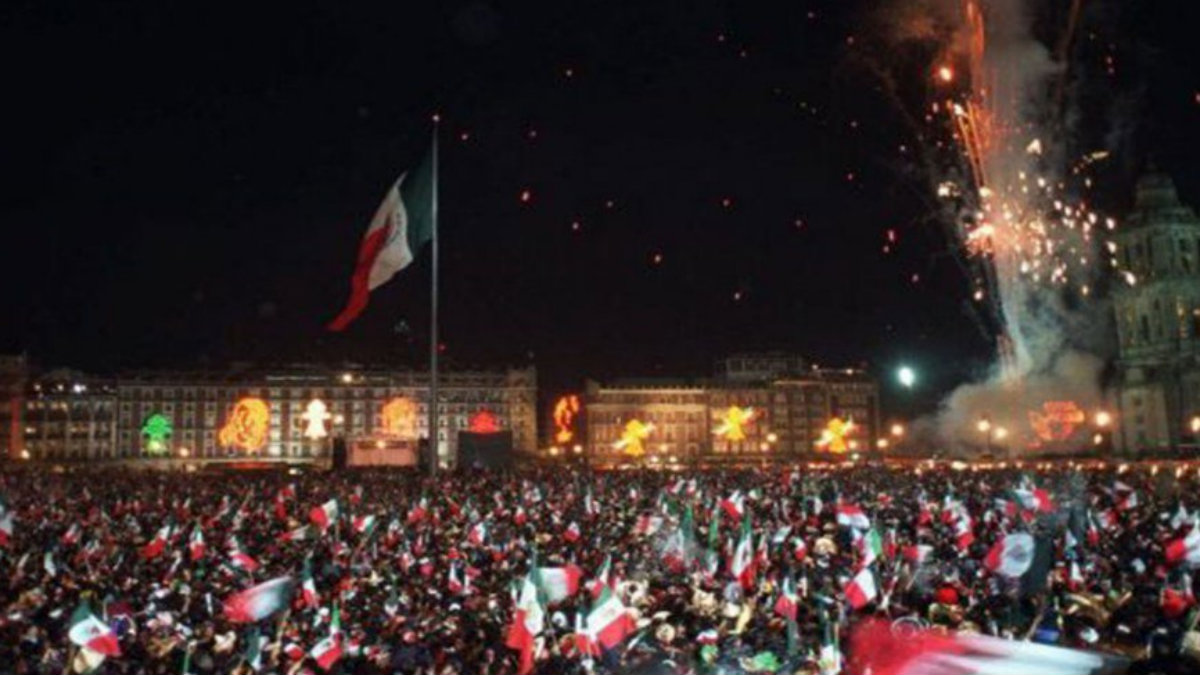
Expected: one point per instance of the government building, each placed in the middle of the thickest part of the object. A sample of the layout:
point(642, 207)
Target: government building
point(1158, 322)
point(757, 407)
point(284, 415)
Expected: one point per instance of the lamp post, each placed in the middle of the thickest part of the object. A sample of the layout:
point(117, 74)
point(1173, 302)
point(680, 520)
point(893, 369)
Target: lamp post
point(984, 425)
point(1103, 422)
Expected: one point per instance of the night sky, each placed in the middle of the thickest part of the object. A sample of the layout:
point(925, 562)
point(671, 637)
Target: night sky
point(187, 183)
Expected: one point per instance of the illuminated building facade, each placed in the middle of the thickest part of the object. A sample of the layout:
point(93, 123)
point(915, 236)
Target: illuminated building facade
point(759, 407)
point(70, 416)
point(289, 414)
point(14, 369)
point(1158, 321)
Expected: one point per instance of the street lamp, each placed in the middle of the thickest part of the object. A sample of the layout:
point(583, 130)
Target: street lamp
point(906, 376)
point(882, 443)
point(897, 430)
point(1195, 424)
point(984, 425)
point(1001, 433)
point(1103, 419)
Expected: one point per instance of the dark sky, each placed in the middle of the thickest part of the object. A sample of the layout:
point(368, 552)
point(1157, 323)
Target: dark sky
point(187, 182)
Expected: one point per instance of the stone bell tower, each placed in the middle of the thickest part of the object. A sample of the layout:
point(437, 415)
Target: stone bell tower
point(1158, 321)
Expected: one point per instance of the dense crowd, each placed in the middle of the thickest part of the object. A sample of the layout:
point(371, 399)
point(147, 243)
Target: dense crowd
point(710, 572)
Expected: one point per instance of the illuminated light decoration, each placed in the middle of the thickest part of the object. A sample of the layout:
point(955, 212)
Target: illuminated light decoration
point(157, 429)
point(315, 416)
point(247, 425)
point(399, 417)
point(834, 436)
point(565, 410)
point(1057, 420)
point(632, 436)
point(484, 422)
point(732, 423)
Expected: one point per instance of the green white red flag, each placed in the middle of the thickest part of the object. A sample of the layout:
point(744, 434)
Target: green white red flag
point(558, 583)
point(861, 590)
point(402, 224)
point(609, 621)
point(157, 545)
point(364, 524)
point(89, 632)
point(786, 604)
point(528, 622)
point(741, 565)
point(258, 602)
point(324, 515)
point(328, 652)
point(308, 587)
point(1185, 550)
point(196, 544)
point(299, 534)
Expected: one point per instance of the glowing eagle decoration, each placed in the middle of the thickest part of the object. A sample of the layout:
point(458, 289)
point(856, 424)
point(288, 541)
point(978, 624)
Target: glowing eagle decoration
point(733, 422)
point(833, 436)
point(632, 436)
point(247, 425)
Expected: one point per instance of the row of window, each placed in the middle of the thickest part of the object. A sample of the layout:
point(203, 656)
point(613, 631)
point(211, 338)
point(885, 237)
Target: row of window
point(1161, 323)
point(1174, 254)
point(459, 392)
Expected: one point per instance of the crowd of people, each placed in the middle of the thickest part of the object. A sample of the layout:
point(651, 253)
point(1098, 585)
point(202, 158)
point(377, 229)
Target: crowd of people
point(787, 570)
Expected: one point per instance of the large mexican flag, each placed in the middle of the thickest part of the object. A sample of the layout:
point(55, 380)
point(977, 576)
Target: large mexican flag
point(402, 224)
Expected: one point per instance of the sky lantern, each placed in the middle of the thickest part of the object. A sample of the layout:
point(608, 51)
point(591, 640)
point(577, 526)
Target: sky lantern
point(247, 425)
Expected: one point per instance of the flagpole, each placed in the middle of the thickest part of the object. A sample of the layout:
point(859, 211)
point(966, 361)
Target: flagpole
point(433, 312)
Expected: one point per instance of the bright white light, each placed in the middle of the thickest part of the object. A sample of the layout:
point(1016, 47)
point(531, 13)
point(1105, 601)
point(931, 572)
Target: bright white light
point(906, 376)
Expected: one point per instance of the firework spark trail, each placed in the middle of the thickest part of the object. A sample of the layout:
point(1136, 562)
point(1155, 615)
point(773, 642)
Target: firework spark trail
point(1018, 223)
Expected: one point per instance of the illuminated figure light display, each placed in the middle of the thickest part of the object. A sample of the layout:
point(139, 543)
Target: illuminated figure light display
point(632, 436)
point(565, 411)
point(399, 417)
point(157, 430)
point(247, 425)
point(484, 422)
point(732, 423)
point(834, 435)
point(314, 417)
point(1056, 421)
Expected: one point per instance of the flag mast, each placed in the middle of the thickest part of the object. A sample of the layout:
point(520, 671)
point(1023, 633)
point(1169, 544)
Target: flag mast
point(433, 315)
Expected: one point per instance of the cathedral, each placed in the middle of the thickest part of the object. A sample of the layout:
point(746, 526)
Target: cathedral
point(1158, 322)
